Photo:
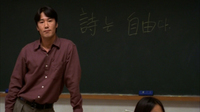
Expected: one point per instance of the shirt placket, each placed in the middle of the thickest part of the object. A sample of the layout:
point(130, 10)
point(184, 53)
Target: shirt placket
point(46, 68)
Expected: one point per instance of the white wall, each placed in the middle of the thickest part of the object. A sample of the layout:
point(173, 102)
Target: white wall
point(63, 105)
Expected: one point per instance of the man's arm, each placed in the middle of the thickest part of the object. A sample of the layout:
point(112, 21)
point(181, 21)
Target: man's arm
point(16, 83)
point(72, 79)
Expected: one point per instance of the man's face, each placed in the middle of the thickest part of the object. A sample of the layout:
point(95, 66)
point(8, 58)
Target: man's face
point(46, 27)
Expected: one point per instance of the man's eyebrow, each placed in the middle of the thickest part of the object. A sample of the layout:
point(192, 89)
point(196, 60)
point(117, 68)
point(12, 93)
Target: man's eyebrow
point(47, 19)
point(41, 20)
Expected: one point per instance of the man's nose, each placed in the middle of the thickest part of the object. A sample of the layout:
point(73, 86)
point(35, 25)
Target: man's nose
point(46, 25)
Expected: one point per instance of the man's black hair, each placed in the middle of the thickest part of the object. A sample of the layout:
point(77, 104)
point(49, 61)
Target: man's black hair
point(48, 11)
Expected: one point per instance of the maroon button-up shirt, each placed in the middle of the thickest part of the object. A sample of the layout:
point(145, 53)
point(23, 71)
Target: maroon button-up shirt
point(40, 76)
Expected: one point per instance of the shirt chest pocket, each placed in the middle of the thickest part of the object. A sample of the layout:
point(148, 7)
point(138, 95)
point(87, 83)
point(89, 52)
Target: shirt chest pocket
point(57, 70)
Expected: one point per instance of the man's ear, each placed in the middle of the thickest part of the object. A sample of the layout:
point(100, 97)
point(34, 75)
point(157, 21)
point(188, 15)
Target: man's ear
point(56, 25)
point(37, 28)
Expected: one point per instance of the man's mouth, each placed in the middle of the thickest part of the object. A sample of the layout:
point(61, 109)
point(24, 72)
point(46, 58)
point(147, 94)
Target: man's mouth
point(46, 31)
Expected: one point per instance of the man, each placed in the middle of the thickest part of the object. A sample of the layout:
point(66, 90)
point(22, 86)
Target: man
point(42, 69)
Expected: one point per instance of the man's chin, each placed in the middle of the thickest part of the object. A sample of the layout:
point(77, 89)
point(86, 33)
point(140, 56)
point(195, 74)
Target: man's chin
point(47, 36)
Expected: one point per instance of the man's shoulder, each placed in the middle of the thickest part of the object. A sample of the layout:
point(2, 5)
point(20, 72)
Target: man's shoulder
point(31, 45)
point(66, 41)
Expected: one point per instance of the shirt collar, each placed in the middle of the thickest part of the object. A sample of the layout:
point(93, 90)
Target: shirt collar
point(56, 43)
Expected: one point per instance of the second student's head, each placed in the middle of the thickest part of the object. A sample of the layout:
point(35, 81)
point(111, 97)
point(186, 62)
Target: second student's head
point(149, 104)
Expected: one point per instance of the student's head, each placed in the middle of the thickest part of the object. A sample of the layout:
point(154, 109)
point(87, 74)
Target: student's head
point(149, 104)
point(46, 22)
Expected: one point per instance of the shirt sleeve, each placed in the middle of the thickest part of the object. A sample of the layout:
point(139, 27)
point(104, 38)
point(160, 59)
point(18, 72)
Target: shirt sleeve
point(16, 83)
point(72, 79)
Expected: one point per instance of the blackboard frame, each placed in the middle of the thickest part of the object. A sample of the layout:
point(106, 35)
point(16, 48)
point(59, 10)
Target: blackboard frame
point(165, 60)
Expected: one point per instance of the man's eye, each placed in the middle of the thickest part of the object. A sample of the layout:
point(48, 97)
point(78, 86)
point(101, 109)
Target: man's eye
point(41, 22)
point(50, 20)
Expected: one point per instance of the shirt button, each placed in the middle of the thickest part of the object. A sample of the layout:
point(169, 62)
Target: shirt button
point(46, 65)
point(45, 77)
point(42, 86)
point(38, 96)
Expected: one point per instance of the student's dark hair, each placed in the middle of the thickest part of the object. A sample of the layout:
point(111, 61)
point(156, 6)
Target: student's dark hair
point(48, 11)
point(146, 104)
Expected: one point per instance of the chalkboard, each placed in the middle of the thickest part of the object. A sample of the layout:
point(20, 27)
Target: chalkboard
point(124, 45)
